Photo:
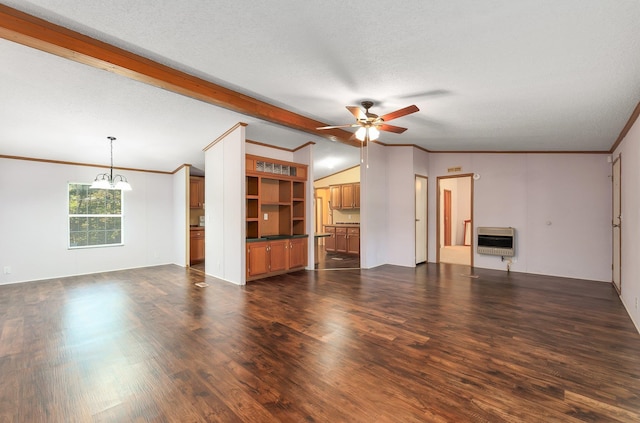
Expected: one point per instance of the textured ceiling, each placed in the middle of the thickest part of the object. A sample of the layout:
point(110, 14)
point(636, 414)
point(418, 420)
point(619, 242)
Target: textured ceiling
point(528, 75)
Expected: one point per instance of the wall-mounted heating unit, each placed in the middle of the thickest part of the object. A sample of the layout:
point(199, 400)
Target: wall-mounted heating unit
point(496, 241)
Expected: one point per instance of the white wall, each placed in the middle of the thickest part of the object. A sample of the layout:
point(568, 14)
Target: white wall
point(374, 206)
point(180, 225)
point(34, 222)
point(305, 156)
point(560, 205)
point(629, 153)
point(225, 211)
point(401, 206)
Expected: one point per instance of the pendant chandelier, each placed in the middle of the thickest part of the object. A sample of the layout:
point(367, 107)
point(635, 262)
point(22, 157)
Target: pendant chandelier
point(108, 180)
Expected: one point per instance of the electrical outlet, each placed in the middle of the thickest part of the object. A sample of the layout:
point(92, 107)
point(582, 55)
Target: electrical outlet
point(7, 271)
point(266, 216)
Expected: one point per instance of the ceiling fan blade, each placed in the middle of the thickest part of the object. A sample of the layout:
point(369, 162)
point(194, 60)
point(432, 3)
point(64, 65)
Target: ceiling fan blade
point(399, 113)
point(357, 112)
point(351, 125)
point(391, 128)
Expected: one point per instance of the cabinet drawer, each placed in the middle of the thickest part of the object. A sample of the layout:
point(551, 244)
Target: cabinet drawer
point(353, 231)
point(341, 230)
point(197, 234)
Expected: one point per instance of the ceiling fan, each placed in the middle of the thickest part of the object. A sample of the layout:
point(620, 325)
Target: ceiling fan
point(371, 124)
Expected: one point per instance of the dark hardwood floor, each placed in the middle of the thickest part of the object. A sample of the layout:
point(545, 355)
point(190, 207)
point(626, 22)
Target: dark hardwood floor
point(335, 260)
point(391, 344)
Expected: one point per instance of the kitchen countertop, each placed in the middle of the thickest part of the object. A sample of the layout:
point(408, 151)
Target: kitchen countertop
point(276, 237)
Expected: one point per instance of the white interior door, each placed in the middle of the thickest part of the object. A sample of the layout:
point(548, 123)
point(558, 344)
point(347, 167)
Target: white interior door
point(421, 219)
point(617, 222)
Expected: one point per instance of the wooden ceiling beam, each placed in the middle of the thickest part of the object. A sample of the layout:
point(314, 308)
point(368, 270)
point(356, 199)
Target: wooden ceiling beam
point(37, 33)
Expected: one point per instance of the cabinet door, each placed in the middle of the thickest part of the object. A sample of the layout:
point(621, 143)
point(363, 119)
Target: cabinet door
point(356, 195)
point(196, 192)
point(330, 241)
point(279, 255)
point(341, 240)
point(196, 246)
point(257, 258)
point(297, 253)
point(353, 241)
point(335, 196)
point(347, 196)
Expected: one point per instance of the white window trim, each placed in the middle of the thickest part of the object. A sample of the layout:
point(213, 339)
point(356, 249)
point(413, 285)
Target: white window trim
point(69, 216)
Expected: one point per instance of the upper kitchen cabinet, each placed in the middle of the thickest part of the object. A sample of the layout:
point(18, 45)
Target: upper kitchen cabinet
point(345, 196)
point(335, 197)
point(196, 192)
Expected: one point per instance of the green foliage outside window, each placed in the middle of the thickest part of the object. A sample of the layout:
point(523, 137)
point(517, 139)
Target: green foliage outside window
point(95, 216)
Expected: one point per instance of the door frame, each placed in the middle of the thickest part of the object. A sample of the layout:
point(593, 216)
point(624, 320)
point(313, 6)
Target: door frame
point(616, 225)
point(447, 217)
point(426, 217)
point(471, 199)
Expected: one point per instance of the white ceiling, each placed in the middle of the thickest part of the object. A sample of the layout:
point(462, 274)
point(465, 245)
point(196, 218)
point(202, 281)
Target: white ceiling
point(491, 75)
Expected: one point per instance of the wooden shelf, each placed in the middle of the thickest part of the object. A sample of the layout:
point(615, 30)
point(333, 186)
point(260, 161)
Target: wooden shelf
point(275, 206)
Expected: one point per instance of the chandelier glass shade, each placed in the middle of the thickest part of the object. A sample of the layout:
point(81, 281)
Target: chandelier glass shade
point(109, 180)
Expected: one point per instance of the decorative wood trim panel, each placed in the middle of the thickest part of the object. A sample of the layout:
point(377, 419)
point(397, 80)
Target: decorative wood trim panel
point(227, 132)
point(625, 130)
point(40, 34)
point(33, 159)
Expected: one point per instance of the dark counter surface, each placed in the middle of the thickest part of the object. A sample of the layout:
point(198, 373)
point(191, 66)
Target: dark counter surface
point(276, 237)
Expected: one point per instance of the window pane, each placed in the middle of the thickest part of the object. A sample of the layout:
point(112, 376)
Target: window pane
point(114, 237)
point(78, 239)
point(78, 224)
point(87, 230)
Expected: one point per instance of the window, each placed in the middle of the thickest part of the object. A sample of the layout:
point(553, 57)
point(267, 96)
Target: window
point(95, 216)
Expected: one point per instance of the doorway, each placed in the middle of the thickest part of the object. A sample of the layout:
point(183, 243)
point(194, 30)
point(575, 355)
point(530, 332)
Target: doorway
point(421, 219)
point(617, 222)
point(454, 226)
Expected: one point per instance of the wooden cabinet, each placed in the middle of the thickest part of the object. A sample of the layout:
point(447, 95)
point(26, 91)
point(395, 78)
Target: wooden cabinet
point(275, 216)
point(278, 255)
point(330, 241)
point(348, 196)
point(267, 258)
point(298, 252)
point(335, 197)
point(196, 192)
point(342, 239)
point(275, 202)
point(356, 196)
point(345, 196)
point(196, 245)
point(257, 259)
point(353, 240)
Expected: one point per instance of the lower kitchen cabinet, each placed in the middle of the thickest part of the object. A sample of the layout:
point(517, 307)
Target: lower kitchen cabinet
point(330, 241)
point(353, 240)
point(341, 240)
point(267, 258)
point(196, 246)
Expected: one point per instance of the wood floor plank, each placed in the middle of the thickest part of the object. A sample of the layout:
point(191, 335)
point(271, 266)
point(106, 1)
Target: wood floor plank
point(424, 344)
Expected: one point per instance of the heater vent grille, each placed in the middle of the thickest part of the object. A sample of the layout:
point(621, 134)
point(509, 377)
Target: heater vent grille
point(496, 241)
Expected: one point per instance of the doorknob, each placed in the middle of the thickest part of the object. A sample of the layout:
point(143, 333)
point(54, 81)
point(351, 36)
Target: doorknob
point(417, 220)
